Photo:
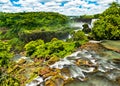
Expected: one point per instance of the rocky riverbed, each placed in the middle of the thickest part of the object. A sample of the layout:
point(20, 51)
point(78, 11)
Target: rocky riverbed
point(90, 65)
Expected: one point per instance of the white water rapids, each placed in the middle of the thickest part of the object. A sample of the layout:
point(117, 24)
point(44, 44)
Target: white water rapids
point(104, 68)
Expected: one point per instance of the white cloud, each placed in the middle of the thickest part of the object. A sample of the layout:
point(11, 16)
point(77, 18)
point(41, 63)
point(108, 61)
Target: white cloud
point(4, 1)
point(48, 4)
point(69, 7)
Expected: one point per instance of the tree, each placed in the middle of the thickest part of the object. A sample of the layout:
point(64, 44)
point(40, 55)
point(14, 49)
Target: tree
point(108, 25)
point(78, 36)
point(86, 28)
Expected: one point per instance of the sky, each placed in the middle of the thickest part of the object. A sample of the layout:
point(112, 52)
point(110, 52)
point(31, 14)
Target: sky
point(66, 7)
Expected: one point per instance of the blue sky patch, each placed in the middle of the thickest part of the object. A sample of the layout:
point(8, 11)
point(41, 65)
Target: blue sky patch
point(17, 5)
point(63, 3)
point(93, 2)
point(42, 3)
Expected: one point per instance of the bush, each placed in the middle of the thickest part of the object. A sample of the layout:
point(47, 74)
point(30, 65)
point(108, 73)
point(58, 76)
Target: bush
point(16, 44)
point(55, 47)
point(108, 25)
point(5, 54)
point(86, 28)
point(78, 38)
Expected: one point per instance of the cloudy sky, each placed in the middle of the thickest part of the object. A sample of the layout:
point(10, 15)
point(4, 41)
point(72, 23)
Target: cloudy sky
point(67, 7)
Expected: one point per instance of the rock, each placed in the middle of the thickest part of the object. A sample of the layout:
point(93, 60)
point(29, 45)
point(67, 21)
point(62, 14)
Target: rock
point(52, 60)
point(80, 62)
point(65, 72)
point(93, 47)
point(116, 60)
point(21, 61)
point(55, 80)
point(50, 74)
point(50, 83)
point(44, 70)
point(112, 45)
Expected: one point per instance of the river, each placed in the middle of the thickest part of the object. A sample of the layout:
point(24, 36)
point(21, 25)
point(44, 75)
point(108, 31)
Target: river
point(83, 68)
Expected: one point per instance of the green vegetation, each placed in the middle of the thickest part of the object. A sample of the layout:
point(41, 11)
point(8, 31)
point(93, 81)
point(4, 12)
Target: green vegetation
point(87, 17)
point(108, 25)
point(13, 24)
point(16, 45)
point(55, 47)
point(5, 53)
point(6, 80)
point(29, 35)
point(5, 57)
point(90, 16)
point(32, 20)
point(79, 38)
point(38, 34)
point(86, 28)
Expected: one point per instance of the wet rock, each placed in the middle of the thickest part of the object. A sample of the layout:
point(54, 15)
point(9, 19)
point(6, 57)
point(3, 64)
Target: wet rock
point(116, 60)
point(80, 62)
point(40, 60)
point(65, 72)
point(50, 74)
point(78, 66)
point(118, 80)
point(93, 47)
point(52, 60)
point(44, 71)
point(112, 45)
point(22, 61)
point(49, 83)
point(56, 80)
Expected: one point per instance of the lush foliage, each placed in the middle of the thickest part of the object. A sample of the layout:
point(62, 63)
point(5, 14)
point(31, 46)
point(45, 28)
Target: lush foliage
point(29, 35)
point(78, 38)
point(5, 53)
point(20, 28)
point(31, 19)
point(86, 28)
point(55, 47)
point(108, 25)
point(6, 80)
point(16, 45)
point(13, 24)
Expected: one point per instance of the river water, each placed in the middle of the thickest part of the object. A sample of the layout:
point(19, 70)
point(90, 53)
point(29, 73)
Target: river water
point(86, 68)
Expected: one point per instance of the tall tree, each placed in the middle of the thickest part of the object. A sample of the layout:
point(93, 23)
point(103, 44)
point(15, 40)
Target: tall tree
point(108, 25)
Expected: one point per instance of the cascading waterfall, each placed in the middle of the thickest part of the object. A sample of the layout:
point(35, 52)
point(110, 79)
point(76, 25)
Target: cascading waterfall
point(80, 65)
point(79, 25)
point(92, 22)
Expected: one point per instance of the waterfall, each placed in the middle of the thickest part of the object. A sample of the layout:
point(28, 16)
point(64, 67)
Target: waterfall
point(79, 25)
point(80, 64)
point(92, 22)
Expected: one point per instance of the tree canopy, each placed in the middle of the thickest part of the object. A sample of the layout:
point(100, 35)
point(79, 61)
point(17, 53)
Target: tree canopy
point(108, 25)
point(31, 19)
point(13, 24)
